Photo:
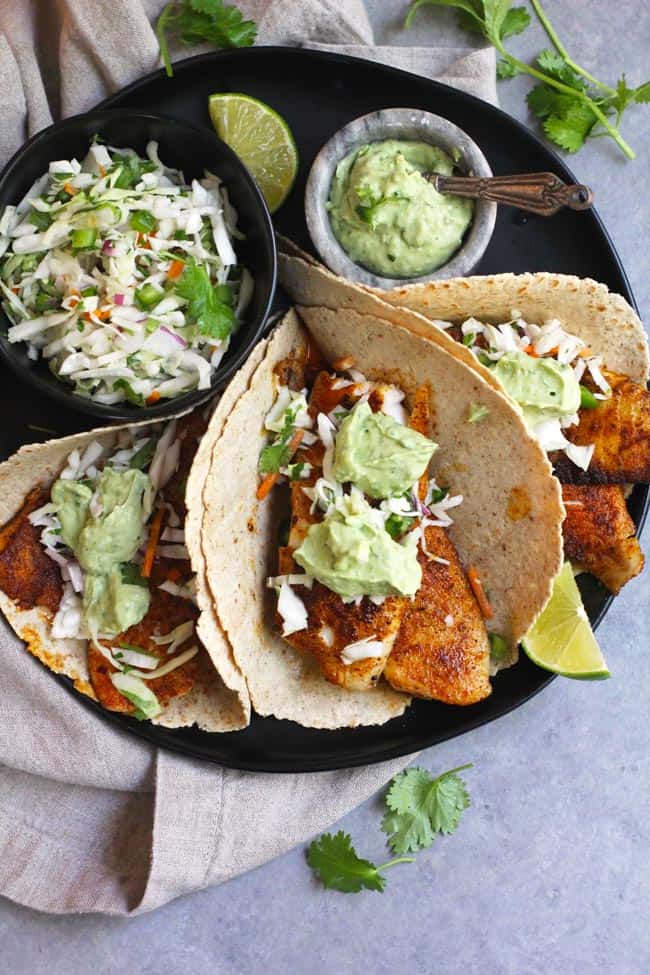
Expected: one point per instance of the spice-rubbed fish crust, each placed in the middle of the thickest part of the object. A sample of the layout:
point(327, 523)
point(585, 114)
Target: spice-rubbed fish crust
point(599, 534)
point(620, 430)
point(164, 614)
point(27, 575)
point(442, 650)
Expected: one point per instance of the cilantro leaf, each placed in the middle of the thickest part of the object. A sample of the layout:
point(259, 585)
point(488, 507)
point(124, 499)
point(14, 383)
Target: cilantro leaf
point(335, 861)
point(202, 21)
point(506, 69)
point(275, 455)
point(570, 129)
point(206, 305)
point(556, 67)
point(642, 94)
point(515, 21)
point(420, 806)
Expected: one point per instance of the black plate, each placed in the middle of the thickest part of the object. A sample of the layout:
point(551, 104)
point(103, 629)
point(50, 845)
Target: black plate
point(317, 93)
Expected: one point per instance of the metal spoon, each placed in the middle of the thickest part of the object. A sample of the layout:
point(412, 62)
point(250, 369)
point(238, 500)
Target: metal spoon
point(542, 193)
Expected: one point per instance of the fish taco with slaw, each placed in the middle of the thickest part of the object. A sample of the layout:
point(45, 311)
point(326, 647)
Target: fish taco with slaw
point(375, 536)
point(101, 572)
point(572, 356)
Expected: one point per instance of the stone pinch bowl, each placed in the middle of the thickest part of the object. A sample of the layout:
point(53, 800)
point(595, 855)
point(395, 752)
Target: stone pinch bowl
point(397, 123)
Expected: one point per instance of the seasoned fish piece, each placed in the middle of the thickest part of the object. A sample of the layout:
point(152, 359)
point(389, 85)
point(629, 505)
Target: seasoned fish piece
point(599, 535)
point(442, 650)
point(620, 430)
point(333, 624)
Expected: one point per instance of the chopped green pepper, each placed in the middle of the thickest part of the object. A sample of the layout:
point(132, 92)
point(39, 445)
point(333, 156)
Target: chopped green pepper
point(587, 399)
point(83, 239)
point(143, 221)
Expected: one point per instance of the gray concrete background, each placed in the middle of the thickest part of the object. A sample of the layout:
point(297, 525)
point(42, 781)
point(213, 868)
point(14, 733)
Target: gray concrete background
point(549, 869)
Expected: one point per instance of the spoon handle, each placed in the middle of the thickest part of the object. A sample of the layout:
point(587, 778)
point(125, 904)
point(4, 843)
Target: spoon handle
point(542, 193)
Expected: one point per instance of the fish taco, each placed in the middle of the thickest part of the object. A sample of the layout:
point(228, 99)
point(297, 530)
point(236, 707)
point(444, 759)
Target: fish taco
point(388, 528)
point(574, 358)
point(100, 572)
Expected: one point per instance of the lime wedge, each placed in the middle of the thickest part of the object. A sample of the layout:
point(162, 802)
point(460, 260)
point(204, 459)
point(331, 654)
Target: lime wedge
point(262, 140)
point(561, 639)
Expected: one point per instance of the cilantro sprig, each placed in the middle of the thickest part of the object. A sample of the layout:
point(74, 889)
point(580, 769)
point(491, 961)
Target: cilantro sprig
point(208, 304)
point(570, 102)
point(201, 21)
point(418, 806)
point(335, 861)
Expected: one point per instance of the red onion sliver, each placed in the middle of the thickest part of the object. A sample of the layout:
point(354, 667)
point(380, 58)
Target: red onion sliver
point(178, 338)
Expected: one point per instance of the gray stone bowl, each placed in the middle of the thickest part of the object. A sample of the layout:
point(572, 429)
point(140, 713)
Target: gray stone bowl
point(397, 123)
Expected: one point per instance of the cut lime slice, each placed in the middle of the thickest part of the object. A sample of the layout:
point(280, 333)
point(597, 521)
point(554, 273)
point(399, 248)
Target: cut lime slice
point(561, 639)
point(262, 140)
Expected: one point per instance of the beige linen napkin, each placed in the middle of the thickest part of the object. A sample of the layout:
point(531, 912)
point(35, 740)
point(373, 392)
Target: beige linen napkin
point(92, 819)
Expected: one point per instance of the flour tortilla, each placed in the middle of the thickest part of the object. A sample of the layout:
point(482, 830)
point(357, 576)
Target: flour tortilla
point(209, 628)
point(516, 547)
point(212, 705)
point(604, 320)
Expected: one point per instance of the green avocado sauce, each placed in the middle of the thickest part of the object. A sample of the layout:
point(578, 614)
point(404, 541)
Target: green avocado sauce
point(351, 554)
point(390, 219)
point(104, 542)
point(544, 388)
point(379, 455)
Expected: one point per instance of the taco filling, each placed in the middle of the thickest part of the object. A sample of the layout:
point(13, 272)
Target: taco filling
point(368, 581)
point(594, 423)
point(102, 550)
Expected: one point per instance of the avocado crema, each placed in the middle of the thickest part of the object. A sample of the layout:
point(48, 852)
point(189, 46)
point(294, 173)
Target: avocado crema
point(544, 388)
point(378, 454)
point(352, 554)
point(388, 217)
point(350, 551)
point(104, 540)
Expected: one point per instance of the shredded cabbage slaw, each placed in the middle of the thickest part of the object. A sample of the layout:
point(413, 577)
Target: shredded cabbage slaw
point(122, 276)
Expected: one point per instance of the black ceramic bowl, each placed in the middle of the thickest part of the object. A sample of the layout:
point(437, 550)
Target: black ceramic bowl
point(183, 147)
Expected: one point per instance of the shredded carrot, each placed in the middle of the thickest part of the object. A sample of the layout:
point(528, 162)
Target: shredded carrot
point(102, 171)
point(174, 574)
point(531, 352)
point(267, 482)
point(70, 189)
point(101, 313)
point(154, 535)
point(15, 289)
point(176, 268)
point(153, 397)
point(479, 592)
point(266, 485)
point(553, 351)
point(585, 353)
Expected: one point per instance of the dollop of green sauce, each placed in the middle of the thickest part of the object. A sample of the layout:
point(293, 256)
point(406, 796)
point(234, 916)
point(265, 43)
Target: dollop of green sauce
point(544, 388)
point(382, 457)
point(352, 554)
point(104, 542)
point(390, 219)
